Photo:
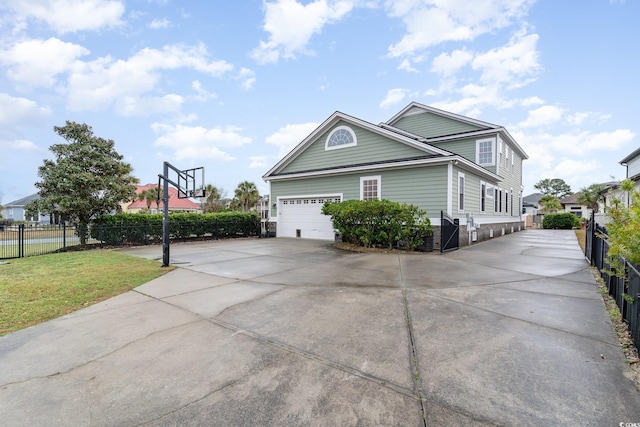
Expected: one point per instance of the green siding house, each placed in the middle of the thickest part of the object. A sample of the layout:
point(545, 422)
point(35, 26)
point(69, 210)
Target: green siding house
point(439, 161)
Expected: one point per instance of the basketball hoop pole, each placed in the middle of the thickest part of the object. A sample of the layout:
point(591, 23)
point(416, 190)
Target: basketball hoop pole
point(187, 176)
point(165, 217)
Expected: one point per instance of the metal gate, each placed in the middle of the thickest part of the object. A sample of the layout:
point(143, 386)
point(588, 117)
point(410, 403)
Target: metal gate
point(449, 233)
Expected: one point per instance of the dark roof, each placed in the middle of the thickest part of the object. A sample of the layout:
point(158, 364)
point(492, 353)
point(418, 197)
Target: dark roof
point(24, 201)
point(533, 198)
point(630, 157)
point(570, 199)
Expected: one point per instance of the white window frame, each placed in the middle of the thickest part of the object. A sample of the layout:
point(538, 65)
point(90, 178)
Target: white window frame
point(371, 178)
point(337, 147)
point(493, 151)
point(490, 191)
point(461, 192)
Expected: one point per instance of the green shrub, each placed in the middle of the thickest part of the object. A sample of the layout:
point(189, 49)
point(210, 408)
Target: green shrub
point(378, 222)
point(564, 221)
point(142, 228)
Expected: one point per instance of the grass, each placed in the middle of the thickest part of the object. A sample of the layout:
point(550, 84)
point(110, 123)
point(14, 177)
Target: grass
point(41, 288)
point(582, 238)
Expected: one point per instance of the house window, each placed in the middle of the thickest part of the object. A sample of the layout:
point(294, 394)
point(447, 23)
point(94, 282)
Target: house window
point(460, 192)
point(506, 201)
point(341, 137)
point(483, 196)
point(496, 199)
point(500, 206)
point(485, 152)
point(511, 197)
point(370, 188)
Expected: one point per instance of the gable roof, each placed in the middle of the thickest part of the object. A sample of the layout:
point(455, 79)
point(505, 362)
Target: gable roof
point(417, 108)
point(23, 201)
point(174, 201)
point(485, 128)
point(433, 154)
point(571, 199)
point(397, 135)
point(533, 198)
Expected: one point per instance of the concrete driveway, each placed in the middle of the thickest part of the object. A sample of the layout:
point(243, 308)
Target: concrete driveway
point(295, 332)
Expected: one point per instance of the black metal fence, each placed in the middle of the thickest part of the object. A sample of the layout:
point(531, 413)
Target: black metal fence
point(18, 241)
point(21, 240)
point(624, 288)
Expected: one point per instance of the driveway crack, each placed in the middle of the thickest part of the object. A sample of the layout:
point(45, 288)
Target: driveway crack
point(415, 367)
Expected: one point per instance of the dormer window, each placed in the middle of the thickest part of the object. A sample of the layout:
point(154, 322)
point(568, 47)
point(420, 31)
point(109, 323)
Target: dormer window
point(341, 137)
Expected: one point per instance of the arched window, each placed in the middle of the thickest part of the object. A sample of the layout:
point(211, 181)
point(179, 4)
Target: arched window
point(340, 137)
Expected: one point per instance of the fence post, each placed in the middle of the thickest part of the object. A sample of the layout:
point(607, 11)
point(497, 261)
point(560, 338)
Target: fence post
point(64, 237)
point(21, 241)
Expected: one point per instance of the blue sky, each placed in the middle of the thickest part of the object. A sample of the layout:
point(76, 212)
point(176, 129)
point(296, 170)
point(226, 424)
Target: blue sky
point(234, 85)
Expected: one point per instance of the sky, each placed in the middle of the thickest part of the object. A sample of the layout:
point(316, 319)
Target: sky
point(233, 86)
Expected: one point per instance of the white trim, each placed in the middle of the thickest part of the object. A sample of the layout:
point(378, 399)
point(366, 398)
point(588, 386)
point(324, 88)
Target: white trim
point(449, 189)
point(378, 179)
point(412, 106)
point(463, 193)
point(478, 170)
point(493, 151)
point(337, 147)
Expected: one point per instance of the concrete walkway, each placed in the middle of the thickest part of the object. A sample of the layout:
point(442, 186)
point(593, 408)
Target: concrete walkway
point(293, 332)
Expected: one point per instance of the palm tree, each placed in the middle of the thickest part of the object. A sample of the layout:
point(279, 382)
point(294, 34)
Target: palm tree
point(149, 195)
point(212, 200)
point(247, 195)
point(590, 196)
point(550, 204)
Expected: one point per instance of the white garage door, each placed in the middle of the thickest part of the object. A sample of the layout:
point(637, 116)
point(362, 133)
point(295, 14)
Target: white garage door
point(302, 217)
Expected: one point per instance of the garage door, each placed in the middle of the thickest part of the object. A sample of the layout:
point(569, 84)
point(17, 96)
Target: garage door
point(302, 217)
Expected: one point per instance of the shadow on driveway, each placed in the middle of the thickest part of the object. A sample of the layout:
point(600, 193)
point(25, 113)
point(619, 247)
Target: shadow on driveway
point(295, 332)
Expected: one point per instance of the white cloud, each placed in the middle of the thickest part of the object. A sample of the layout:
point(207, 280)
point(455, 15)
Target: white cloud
point(431, 22)
point(39, 62)
point(542, 116)
point(98, 84)
point(202, 94)
point(196, 142)
point(514, 64)
point(291, 25)
point(579, 118)
point(287, 137)
point(158, 24)
point(260, 162)
point(23, 145)
point(17, 112)
point(448, 64)
point(129, 106)
point(394, 97)
point(68, 16)
point(247, 78)
point(405, 65)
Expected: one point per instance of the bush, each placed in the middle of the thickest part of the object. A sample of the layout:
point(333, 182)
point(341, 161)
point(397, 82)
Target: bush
point(142, 228)
point(563, 221)
point(379, 222)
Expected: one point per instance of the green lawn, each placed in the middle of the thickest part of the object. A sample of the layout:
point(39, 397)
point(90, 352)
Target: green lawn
point(40, 288)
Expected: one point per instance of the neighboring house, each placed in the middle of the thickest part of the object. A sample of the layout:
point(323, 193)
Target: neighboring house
point(16, 211)
point(612, 189)
point(531, 204)
point(570, 204)
point(434, 159)
point(175, 203)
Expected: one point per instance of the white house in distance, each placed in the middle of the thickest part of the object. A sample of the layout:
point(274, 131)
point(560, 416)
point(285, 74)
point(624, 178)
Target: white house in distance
point(632, 165)
point(16, 211)
point(437, 160)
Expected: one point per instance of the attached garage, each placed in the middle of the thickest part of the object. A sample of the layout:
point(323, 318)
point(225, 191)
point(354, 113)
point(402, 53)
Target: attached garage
point(302, 217)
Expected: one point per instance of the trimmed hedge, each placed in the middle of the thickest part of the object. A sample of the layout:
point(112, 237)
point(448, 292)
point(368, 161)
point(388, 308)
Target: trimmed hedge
point(124, 228)
point(379, 223)
point(564, 221)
